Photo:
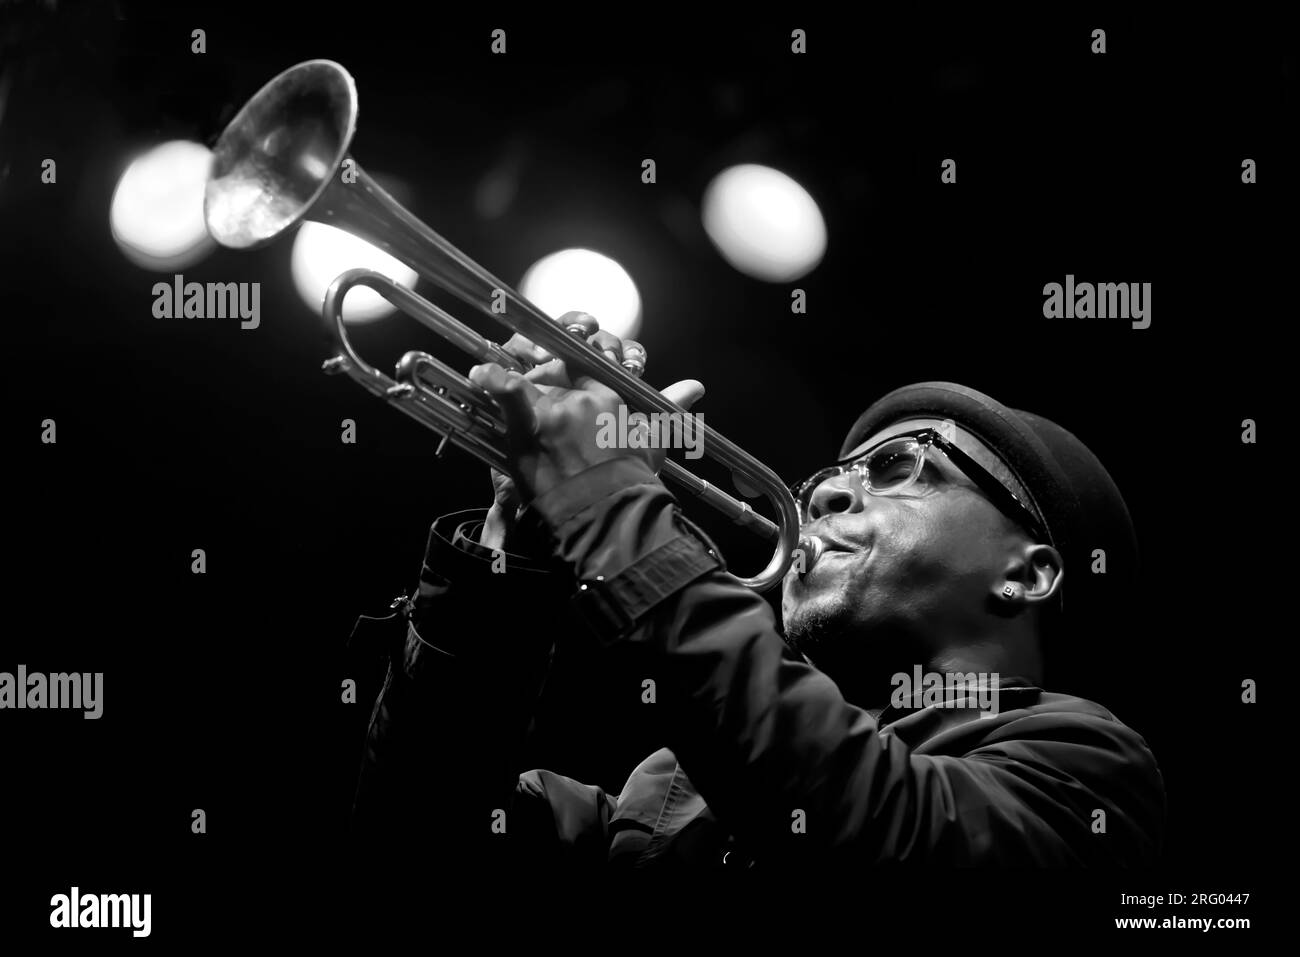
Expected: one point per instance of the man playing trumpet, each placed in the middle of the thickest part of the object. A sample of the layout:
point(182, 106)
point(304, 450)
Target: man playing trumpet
point(954, 538)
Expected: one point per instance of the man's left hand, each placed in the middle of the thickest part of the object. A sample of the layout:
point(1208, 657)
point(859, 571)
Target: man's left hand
point(552, 423)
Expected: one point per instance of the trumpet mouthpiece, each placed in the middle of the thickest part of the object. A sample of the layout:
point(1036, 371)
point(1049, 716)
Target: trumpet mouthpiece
point(812, 549)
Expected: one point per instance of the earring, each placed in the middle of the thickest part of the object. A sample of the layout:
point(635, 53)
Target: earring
point(1013, 591)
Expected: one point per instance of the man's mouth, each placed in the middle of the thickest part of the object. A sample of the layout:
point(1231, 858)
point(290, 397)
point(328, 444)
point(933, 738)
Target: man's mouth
point(832, 544)
point(826, 546)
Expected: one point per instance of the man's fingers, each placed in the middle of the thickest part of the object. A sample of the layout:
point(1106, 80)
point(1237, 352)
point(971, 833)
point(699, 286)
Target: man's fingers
point(517, 410)
point(526, 351)
point(602, 392)
point(609, 344)
point(513, 393)
point(685, 393)
point(551, 372)
point(634, 358)
point(504, 490)
point(686, 431)
point(585, 320)
point(554, 372)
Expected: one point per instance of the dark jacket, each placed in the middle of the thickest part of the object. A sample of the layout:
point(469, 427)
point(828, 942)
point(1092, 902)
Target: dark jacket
point(782, 770)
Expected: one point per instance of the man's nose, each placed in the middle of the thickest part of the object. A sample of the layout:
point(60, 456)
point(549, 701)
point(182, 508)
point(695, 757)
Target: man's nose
point(840, 493)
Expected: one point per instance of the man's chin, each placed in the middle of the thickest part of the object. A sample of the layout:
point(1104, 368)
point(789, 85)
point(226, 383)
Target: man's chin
point(814, 621)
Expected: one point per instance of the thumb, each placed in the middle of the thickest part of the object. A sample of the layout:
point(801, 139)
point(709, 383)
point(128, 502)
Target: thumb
point(685, 393)
point(504, 491)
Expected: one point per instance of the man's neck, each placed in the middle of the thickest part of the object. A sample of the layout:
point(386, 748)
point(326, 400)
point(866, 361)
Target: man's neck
point(1004, 657)
point(867, 675)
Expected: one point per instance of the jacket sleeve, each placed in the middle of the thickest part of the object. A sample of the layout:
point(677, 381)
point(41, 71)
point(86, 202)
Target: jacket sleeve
point(791, 768)
point(562, 823)
point(442, 754)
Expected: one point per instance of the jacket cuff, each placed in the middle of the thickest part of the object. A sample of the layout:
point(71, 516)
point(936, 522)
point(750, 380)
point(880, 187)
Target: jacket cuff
point(617, 530)
point(453, 552)
point(454, 559)
point(612, 608)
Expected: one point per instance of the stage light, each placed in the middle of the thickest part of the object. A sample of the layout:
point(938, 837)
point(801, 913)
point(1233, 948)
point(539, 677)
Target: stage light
point(156, 214)
point(764, 223)
point(321, 252)
point(585, 281)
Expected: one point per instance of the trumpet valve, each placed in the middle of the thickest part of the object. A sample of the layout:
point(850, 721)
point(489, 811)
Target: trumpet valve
point(634, 359)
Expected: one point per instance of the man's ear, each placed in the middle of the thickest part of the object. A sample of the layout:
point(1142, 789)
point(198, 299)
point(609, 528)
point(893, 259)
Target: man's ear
point(1033, 576)
point(1045, 570)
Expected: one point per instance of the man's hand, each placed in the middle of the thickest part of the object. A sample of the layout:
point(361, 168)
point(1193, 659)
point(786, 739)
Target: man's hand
point(543, 369)
point(500, 522)
point(552, 422)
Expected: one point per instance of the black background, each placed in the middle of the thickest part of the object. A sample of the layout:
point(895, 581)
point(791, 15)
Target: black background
point(222, 690)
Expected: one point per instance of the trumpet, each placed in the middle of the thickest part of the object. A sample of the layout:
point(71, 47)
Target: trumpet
point(282, 160)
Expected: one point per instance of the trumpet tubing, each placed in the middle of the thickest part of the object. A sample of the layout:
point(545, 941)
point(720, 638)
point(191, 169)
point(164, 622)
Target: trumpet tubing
point(278, 163)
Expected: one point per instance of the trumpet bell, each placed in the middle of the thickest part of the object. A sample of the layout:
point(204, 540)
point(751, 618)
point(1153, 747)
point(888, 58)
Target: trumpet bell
point(279, 154)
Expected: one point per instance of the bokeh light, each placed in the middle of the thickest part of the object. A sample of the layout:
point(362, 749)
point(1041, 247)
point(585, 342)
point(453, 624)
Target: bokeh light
point(582, 280)
point(156, 214)
point(764, 223)
point(321, 252)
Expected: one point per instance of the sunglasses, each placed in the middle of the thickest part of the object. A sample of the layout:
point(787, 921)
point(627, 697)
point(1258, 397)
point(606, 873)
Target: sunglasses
point(898, 463)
